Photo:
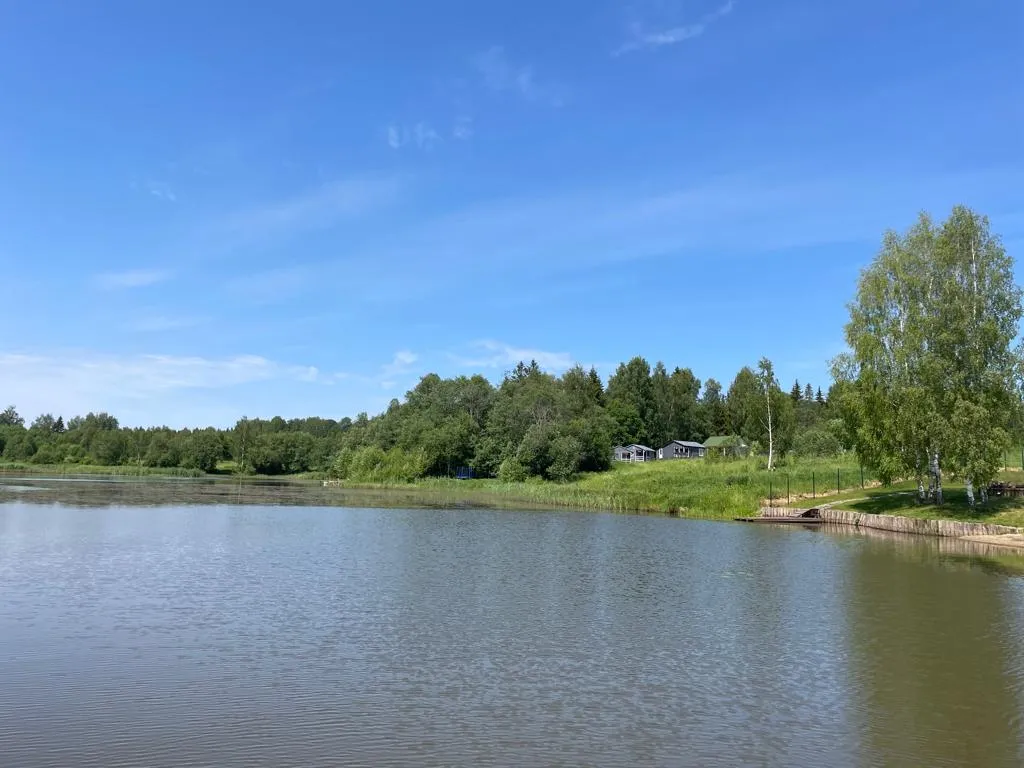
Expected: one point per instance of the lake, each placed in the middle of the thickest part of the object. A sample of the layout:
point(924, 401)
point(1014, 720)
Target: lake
point(146, 631)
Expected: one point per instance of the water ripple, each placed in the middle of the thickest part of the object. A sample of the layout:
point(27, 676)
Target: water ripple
point(269, 636)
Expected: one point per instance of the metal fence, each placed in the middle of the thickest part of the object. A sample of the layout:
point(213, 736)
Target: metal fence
point(783, 486)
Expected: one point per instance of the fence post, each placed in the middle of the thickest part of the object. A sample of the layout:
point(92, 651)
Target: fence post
point(814, 491)
point(838, 489)
point(789, 500)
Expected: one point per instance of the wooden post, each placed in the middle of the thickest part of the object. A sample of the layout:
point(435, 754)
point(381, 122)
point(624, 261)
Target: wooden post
point(838, 489)
point(862, 477)
point(788, 498)
point(814, 491)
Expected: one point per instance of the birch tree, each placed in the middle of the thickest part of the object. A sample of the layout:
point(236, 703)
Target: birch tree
point(932, 374)
point(766, 376)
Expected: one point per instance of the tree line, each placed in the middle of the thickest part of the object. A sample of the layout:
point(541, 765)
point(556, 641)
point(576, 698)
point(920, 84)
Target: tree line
point(532, 424)
point(932, 381)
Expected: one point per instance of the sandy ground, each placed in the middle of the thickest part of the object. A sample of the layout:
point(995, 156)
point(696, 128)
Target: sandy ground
point(1014, 540)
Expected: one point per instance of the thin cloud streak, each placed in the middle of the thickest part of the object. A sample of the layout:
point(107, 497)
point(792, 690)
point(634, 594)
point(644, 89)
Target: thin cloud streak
point(162, 323)
point(320, 208)
point(133, 278)
point(643, 39)
point(752, 214)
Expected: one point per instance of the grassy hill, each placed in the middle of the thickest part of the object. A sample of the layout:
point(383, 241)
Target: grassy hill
point(695, 488)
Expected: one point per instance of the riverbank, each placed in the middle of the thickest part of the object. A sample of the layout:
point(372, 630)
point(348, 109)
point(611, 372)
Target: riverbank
point(959, 529)
point(61, 470)
point(697, 489)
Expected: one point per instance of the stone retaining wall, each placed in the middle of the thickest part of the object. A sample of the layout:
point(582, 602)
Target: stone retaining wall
point(898, 524)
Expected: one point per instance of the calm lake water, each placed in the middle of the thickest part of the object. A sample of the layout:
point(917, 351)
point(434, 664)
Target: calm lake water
point(228, 634)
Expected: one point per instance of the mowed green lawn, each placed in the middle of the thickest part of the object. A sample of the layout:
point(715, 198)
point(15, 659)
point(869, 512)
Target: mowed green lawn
point(901, 500)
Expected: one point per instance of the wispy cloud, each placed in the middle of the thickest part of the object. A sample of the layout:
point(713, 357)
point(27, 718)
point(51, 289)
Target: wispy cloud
point(642, 37)
point(421, 135)
point(162, 323)
point(488, 353)
point(753, 214)
point(161, 190)
point(133, 278)
point(151, 388)
point(158, 189)
point(425, 136)
point(400, 363)
point(463, 128)
point(500, 74)
point(140, 375)
point(320, 208)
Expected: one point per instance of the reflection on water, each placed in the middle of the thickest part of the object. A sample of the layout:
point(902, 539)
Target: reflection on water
point(227, 634)
point(937, 656)
point(102, 491)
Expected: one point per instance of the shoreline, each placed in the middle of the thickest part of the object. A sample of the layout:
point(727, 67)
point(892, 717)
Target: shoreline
point(569, 497)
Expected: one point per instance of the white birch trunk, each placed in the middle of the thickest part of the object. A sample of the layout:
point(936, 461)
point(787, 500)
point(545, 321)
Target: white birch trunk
point(937, 477)
point(771, 445)
point(970, 492)
point(921, 495)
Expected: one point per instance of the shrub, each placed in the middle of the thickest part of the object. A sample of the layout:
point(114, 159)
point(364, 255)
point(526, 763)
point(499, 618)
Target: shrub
point(565, 453)
point(818, 443)
point(511, 471)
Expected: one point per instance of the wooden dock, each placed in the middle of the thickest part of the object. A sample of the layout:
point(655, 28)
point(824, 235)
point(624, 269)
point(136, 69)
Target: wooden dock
point(807, 517)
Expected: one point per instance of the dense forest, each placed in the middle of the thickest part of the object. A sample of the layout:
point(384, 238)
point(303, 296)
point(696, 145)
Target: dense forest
point(532, 424)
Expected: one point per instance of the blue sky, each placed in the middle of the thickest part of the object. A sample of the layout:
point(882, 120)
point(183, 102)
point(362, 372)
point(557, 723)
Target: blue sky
point(210, 209)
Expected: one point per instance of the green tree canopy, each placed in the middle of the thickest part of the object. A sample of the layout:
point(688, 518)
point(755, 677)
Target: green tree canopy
point(9, 417)
point(715, 412)
point(932, 376)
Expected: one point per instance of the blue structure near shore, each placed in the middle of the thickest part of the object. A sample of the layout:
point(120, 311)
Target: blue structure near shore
point(464, 473)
